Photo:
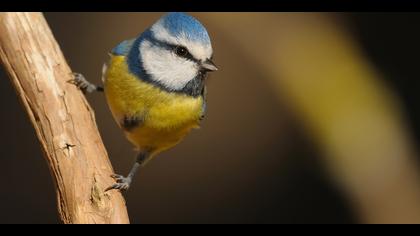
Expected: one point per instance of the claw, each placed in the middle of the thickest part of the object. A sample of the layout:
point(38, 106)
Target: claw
point(115, 176)
point(122, 184)
point(80, 81)
point(110, 187)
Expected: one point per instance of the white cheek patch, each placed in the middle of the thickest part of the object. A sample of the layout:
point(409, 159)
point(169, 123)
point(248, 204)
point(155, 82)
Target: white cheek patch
point(165, 67)
point(199, 50)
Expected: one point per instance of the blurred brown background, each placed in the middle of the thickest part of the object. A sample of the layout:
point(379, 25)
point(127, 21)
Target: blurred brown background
point(251, 162)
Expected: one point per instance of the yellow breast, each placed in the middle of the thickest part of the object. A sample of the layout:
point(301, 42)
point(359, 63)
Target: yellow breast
point(166, 116)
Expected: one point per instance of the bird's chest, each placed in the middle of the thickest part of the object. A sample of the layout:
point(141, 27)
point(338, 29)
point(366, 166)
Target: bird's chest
point(144, 104)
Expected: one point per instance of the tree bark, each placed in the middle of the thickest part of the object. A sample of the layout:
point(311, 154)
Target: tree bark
point(63, 120)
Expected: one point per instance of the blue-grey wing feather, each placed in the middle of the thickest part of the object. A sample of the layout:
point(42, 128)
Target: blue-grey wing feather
point(123, 48)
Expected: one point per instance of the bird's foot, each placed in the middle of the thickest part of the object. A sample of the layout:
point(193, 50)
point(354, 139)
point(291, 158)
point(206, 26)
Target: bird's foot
point(123, 183)
point(83, 84)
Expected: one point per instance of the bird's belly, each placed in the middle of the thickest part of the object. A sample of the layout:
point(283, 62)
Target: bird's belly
point(156, 140)
point(164, 125)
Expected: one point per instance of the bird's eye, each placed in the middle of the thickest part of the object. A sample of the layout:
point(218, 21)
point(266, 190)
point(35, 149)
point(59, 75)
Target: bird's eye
point(181, 51)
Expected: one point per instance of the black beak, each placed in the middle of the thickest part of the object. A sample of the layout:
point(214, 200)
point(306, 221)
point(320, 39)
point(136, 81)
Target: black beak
point(208, 65)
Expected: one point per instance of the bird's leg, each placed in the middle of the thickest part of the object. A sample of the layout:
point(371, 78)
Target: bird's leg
point(83, 84)
point(123, 183)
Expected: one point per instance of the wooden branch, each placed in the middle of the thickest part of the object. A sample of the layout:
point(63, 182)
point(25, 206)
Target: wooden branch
point(63, 120)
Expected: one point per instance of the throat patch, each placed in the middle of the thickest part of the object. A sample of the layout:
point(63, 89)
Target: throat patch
point(194, 87)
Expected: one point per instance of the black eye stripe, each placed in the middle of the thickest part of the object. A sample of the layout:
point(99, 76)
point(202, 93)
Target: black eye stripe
point(187, 54)
point(172, 47)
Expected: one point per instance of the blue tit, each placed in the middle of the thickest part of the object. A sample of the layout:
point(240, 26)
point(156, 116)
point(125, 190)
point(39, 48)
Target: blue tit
point(155, 86)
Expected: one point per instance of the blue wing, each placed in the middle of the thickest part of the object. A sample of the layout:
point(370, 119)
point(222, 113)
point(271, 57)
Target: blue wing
point(123, 48)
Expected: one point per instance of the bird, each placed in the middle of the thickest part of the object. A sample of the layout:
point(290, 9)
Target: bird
point(155, 86)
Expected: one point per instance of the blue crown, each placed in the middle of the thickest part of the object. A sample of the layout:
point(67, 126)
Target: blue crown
point(180, 23)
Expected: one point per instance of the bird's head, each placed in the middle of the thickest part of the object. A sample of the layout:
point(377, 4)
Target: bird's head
point(174, 51)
